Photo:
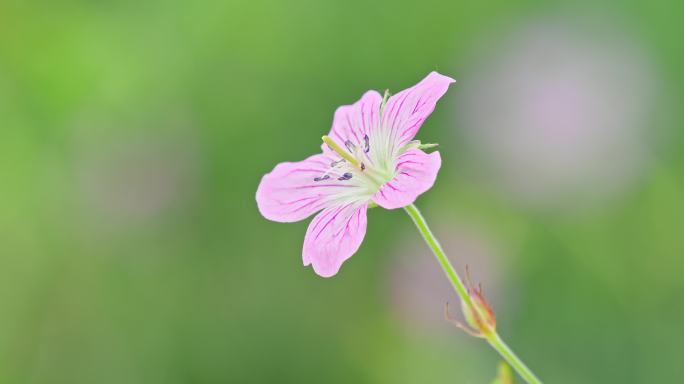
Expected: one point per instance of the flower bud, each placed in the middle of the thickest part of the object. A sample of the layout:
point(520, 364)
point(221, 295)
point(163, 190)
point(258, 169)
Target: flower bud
point(479, 316)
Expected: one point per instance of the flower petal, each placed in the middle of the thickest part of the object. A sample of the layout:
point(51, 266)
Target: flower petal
point(333, 236)
point(405, 112)
point(353, 122)
point(290, 193)
point(416, 172)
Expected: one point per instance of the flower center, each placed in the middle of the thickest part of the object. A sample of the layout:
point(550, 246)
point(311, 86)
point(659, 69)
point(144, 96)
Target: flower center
point(357, 158)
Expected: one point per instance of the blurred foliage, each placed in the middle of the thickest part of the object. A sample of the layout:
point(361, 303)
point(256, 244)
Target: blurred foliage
point(133, 136)
point(504, 374)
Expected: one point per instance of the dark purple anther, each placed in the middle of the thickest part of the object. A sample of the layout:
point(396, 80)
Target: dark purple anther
point(350, 146)
point(366, 145)
point(346, 176)
point(324, 177)
point(363, 166)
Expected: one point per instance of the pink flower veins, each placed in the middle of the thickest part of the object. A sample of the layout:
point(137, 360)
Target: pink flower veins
point(368, 156)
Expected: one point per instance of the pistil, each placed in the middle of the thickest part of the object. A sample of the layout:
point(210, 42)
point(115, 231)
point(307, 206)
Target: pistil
point(340, 151)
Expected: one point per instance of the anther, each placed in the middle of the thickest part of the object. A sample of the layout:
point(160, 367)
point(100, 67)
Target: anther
point(345, 176)
point(366, 146)
point(350, 146)
point(363, 166)
point(324, 177)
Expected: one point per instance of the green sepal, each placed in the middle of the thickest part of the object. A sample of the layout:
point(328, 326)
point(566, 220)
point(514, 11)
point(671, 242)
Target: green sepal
point(416, 144)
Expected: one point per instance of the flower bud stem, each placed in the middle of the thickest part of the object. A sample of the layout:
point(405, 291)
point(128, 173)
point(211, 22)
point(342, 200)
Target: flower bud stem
point(493, 338)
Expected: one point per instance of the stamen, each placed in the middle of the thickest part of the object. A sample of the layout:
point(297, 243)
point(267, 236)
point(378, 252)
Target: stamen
point(350, 146)
point(340, 151)
point(363, 166)
point(346, 176)
point(336, 163)
point(324, 177)
point(366, 145)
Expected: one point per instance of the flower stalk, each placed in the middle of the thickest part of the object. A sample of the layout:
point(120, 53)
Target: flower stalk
point(473, 306)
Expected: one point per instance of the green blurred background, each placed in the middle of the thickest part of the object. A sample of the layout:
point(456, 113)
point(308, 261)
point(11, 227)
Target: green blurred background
point(133, 136)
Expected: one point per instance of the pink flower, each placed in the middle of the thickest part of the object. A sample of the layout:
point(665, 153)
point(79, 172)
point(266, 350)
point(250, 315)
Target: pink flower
point(368, 156)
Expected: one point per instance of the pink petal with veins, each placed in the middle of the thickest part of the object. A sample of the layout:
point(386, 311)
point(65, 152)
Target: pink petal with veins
point(289, 193)
point(333, 236)
point(406, 111)
point(416, 172)
point(353, 122)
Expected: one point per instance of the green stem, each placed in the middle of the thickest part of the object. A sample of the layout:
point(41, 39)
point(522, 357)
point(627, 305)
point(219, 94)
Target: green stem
point(513, 360)
point(492, 337)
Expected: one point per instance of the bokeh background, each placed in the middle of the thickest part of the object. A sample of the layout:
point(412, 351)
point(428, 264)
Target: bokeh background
point(133, 136)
